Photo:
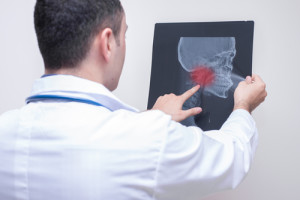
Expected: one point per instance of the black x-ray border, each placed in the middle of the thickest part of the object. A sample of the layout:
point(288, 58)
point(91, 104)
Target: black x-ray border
point(166, 70)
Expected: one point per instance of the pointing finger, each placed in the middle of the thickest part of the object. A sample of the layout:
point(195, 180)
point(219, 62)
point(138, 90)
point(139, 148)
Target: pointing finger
point(185, 96)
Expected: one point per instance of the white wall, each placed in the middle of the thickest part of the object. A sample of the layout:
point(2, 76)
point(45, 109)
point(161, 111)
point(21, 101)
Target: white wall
point(274, 174)
point(20, 62)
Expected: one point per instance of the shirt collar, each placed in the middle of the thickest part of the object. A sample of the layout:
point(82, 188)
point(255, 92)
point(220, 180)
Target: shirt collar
point(75, 87)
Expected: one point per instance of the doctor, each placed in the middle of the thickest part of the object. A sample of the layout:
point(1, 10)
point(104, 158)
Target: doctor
point(75, 140)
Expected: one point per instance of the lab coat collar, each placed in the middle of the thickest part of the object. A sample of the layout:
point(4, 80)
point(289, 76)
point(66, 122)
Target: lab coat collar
point(75, 87)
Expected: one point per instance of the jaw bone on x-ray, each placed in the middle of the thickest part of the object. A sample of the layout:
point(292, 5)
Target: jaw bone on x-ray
point(216, 55)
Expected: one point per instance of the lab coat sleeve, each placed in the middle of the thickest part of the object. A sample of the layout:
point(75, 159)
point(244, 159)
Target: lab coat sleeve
point(194, 163)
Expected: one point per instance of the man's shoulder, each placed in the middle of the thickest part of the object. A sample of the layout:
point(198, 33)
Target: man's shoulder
point(83, 121)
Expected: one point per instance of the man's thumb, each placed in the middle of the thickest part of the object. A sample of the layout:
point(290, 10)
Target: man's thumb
point(188, 113)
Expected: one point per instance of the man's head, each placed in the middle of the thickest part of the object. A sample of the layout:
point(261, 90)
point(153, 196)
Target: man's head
point(66, 29)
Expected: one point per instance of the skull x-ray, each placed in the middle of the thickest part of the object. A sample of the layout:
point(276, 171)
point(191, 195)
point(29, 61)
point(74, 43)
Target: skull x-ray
point(216, 55)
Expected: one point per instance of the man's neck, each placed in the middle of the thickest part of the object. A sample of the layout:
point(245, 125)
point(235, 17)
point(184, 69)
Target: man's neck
point(79, 72)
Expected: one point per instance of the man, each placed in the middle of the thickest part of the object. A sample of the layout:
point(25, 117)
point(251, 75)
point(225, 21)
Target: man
point(75, 140)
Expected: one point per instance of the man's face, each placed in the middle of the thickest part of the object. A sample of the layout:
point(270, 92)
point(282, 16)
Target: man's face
point(119, 55)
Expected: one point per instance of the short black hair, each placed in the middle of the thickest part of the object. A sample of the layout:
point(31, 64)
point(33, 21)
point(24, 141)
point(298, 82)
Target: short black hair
point(65, 29)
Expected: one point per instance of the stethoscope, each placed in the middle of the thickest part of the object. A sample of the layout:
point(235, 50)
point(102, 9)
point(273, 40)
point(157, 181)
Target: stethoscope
point(36, 98)
point(43, 97)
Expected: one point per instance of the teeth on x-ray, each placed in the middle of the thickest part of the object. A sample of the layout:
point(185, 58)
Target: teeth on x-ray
point(216, 53)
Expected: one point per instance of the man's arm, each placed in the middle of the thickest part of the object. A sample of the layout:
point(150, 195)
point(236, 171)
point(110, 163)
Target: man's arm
point(194, 163)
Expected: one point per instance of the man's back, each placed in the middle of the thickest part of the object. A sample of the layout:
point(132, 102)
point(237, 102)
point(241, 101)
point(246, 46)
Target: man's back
point(77, 151)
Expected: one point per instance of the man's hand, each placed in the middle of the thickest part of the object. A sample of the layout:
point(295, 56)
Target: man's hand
point(250, 93)
point(172, 105)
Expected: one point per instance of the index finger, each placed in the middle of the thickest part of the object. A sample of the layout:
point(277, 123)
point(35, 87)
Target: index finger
point(185, 96)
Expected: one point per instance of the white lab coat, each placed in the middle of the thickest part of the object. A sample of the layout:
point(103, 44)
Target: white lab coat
point(60, 150)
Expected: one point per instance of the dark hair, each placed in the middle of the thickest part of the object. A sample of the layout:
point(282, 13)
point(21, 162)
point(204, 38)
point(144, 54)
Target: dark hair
point(66, 28)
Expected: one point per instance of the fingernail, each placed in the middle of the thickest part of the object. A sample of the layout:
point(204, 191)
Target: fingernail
point(199, 109)
point(197, 86)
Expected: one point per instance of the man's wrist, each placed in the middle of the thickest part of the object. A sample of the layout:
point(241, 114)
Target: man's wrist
point(242, 105)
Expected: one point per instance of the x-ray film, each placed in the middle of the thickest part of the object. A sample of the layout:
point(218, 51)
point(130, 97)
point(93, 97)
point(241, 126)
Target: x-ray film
point(216, 55)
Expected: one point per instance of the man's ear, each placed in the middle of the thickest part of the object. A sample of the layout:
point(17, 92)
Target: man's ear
point(107, 43)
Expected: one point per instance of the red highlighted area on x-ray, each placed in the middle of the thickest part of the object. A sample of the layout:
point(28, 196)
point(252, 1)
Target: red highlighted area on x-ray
point(203, 76)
